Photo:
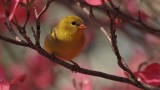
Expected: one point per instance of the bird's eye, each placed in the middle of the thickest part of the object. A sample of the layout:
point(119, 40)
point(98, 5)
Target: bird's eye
point(73, 23)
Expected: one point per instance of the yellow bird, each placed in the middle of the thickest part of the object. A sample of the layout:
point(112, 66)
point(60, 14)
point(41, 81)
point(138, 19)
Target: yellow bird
point(67, 39)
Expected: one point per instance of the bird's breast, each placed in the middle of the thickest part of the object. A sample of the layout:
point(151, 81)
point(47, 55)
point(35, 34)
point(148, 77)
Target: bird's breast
point(70, 47)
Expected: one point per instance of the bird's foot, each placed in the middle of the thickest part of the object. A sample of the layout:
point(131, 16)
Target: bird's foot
point(75, 67)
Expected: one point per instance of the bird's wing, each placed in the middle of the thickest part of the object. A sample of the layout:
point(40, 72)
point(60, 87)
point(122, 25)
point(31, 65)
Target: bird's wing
point(51, 42)
point(53, 32)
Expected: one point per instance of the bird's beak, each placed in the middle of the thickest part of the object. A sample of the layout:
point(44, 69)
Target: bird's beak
point(81, 27)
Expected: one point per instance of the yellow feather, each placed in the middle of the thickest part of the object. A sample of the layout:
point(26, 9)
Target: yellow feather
point(66, 40)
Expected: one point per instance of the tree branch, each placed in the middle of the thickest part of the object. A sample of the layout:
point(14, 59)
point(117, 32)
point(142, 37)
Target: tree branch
point(112, 39)
point(14, 41)
point(147, 28)
point(69, 66)
point(38, 16)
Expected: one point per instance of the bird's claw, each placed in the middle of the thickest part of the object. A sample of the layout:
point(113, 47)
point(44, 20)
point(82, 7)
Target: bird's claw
point(53, 56)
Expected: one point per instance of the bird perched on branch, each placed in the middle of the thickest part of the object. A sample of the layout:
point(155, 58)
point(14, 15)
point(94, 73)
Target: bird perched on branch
point(67, 39)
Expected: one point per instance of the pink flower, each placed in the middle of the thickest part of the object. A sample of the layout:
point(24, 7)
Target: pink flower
point(11, 9)
point(40, 70)
point(21, 12)
point(19, 79)
point(132, 8)
point(18, 11)
point(150, 75)
point(94, 2)
point(152, 40)
point(13, 4)
point(14, 9)
point(82, 81)
point(4, 84)
point(138, 56)
point(35, 74)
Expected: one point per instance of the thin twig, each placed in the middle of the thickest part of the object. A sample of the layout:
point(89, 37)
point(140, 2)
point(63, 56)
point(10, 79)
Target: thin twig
point(22, 31)
point(90, 13)
point(147, 28)
point(121, 61)
point(7, 23)
point(38, 16)
point(105, 34)
point(9, 40)
point(9, 26)
point(34, 33)
point(27, 19)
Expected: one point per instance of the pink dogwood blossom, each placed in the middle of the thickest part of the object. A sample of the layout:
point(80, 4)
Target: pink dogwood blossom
point(95, 2)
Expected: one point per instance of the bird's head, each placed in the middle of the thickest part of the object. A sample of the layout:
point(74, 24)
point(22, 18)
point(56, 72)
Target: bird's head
point(71, 24)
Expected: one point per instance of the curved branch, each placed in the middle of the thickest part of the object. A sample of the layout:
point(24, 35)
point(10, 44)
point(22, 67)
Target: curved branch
point(80, 70)
point(41, 51)
point(86, 71)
